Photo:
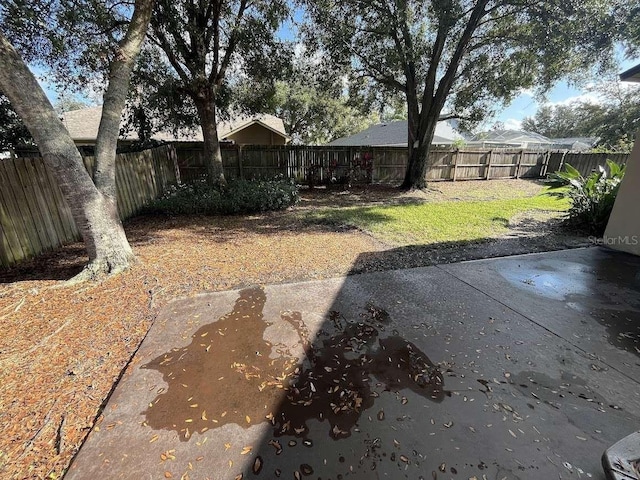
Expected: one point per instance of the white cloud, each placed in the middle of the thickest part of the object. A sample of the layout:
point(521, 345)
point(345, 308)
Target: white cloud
point(597, 93)
point(512, 124)
point(588, 97)
point(529, 92)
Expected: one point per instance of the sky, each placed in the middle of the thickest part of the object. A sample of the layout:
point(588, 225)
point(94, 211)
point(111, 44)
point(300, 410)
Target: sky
point(526, 105)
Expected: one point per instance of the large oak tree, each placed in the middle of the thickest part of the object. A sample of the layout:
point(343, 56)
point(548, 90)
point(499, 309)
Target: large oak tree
point(205, 42)
point(458, 58)
point(93, 205)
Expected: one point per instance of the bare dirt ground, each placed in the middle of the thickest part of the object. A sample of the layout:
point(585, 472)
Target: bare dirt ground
point(63, 348)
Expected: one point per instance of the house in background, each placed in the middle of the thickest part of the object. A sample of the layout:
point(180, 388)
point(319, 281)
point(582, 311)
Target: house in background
point(263, 129)
point(510, 139)
point(631, 75)
point(394, 134)
point(575, 144)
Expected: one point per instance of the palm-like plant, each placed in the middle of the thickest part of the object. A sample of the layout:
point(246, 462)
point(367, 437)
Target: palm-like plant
point(592, 198)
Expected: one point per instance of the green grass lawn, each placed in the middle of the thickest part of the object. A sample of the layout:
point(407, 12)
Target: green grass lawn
point(435, 222)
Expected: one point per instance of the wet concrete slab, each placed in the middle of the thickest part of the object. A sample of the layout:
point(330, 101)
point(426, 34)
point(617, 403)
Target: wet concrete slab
point(405, 374)
point(590, 297)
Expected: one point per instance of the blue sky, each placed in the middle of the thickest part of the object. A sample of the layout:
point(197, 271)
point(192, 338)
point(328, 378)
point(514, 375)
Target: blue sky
point(526, 105)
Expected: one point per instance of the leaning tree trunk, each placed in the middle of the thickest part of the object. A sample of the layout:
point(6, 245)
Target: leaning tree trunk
point(101, 230)
point(205, 104)
point(416, 173)
point(115, 98)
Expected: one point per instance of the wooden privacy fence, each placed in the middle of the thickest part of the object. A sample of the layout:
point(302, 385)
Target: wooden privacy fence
point(584, 162)
point(34, 217)
point(362, 164)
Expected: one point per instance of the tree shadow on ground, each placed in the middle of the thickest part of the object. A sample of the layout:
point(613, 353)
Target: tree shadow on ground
point(60, 264)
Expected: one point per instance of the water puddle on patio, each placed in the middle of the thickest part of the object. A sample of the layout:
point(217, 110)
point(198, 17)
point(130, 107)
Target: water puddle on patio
point(226, 374)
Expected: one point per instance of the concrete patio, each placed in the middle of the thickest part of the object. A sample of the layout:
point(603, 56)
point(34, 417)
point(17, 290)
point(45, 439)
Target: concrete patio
point(519, 367)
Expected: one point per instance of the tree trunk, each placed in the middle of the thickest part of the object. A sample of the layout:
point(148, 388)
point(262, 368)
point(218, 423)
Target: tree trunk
point(205, 104)
point(99, 225)
point(415, 176)
point(115, 98)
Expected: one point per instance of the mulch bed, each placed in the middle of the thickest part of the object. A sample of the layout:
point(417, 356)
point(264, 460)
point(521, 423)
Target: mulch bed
point(63, 348)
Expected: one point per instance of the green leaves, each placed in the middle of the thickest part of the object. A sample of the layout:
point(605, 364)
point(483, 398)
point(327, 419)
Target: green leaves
point(13, 132)
point(238, 197)
point(592, 198)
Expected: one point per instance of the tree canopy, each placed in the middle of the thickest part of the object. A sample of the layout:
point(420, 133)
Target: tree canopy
point(314, 117)
point(459, 57)
point(311, 101)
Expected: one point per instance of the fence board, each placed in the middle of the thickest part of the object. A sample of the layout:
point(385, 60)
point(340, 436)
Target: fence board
point(12, 248)
point(14, 185)
point(50, 200)
point(41, 203)
point(586, 163)
point(129, 174)
point(34, 216)
point(128, 205)
point(38, 216)
point(71, 230)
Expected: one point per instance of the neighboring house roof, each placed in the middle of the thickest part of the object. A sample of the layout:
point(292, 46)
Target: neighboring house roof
point(83, 124)
point(394, 134)
point(574, 143)
point(510, 138)
point(234, 125)
point(631, 75)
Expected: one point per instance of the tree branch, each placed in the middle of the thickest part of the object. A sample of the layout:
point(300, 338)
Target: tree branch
point(447, 80)
point(451, 116)
point(218, 76)
point(163, 43)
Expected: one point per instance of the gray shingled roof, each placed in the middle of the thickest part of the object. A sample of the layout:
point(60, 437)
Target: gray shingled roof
point(394, 134)
point(83, 125)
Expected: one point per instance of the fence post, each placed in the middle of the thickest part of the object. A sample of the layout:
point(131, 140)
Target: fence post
point(545, 164)
point(564, 154)
point(173, 157)
point(518, 164)
point(240, 166)
point(487, 175)
point(455, 164)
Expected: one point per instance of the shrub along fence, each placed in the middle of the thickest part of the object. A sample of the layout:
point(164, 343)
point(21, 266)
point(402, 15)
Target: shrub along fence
point(317, 165)
point(34, 217)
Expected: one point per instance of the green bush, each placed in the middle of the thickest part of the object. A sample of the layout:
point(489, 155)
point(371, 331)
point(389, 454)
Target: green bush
point(239, 196)
point(591, 198)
